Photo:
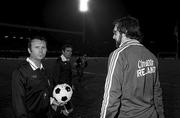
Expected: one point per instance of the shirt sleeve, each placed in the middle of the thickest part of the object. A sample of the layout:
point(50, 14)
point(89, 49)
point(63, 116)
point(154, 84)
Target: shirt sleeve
point(18, 95)
point(158, 97)
point(112, 90)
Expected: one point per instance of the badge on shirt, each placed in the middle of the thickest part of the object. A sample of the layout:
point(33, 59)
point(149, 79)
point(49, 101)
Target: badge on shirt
point(34, 76)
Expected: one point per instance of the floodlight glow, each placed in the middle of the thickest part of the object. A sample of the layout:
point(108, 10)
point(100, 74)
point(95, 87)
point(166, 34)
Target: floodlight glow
point(83, 5)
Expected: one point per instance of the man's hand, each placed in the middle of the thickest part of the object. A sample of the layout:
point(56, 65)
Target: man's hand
point(54, 103)
point(66, 112)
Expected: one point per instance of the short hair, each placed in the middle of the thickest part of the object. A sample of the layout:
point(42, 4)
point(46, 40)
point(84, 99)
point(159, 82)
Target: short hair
point(66, 46)
point(129, 26)
point(36, 37)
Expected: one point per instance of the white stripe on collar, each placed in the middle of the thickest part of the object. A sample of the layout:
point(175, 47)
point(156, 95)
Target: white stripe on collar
point(128, 41)
point(32, 64)
point(64, 58)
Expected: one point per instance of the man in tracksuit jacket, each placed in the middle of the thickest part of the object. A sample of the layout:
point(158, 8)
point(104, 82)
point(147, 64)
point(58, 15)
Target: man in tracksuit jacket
point(132, 87)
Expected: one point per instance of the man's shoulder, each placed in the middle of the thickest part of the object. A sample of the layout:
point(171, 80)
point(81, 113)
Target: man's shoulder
point(110, 55)
point(58, 59)
point(23, 65)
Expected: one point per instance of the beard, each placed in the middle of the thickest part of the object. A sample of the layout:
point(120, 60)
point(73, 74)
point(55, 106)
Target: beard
point(117, 44)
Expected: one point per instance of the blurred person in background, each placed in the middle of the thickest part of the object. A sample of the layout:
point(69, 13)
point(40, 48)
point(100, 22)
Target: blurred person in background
point(62, 66)
point(80, 64)
point(62, 72)
point(132, 88)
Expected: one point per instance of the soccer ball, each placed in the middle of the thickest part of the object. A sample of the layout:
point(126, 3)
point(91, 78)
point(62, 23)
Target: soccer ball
point(62, 93)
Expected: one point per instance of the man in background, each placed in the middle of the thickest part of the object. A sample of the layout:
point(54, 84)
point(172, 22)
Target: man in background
point(63, 67)
point(63, 74)
point(80, 64)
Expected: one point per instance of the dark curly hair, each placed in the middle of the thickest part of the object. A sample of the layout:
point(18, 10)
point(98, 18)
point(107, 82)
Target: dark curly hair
point(129, 26)
point(66, 46)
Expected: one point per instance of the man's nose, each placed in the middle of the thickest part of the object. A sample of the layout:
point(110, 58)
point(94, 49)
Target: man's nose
point(41, 49)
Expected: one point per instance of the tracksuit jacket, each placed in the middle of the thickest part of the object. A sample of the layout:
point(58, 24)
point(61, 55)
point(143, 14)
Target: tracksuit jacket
point(132, 87)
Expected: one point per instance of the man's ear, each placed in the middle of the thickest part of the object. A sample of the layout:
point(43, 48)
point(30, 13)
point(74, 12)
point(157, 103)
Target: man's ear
point(123, 35)
point(29, 50)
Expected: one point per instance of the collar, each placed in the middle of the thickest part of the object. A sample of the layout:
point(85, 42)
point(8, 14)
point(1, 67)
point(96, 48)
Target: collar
point(33, 65)
point(64, 58)
point(128, 41)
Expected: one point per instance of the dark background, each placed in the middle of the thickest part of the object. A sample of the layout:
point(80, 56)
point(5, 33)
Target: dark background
point(60, 21)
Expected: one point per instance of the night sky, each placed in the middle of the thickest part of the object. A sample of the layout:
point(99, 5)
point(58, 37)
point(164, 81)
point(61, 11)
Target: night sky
point(157, 19)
